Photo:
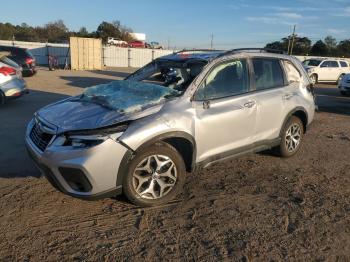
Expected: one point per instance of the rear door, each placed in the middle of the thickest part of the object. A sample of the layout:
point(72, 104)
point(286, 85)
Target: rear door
point(270, 97)
point(329, 71)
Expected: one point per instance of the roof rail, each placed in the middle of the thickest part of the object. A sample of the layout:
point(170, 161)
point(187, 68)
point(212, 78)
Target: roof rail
point(197, 50)
point(261, 50)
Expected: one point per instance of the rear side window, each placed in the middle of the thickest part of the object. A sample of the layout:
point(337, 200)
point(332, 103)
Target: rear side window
point(344, 64)
point(268, 73)
point(293, 74)
point(330, 64)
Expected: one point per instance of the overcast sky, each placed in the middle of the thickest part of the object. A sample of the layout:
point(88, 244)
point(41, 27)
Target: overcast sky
point(190, 23)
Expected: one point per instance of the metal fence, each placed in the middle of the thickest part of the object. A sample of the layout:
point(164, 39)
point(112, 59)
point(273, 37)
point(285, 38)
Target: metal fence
point(42, 50)
point(130, 57)
point(112, 56)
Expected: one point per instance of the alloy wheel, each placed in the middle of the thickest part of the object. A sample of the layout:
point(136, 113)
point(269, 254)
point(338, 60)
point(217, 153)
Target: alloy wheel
point(293, 137)
point(154, 177)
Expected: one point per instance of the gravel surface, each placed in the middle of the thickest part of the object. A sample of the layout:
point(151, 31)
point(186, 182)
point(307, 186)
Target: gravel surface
point(255, 208)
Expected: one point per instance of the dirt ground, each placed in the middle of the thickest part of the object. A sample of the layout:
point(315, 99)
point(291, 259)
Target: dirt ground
point(255, 208)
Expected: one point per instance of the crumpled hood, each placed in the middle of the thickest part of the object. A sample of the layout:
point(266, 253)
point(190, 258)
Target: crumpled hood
point(76, 113)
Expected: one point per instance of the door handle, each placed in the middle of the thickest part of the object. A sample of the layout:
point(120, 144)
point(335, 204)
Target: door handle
point(249, 104)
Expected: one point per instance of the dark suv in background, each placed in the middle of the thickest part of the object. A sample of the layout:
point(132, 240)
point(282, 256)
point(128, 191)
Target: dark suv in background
point(22, 57)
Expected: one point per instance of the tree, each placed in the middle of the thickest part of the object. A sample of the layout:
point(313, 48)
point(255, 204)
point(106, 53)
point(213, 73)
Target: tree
point(301, 45)
point(83, 32)
point(331, 44)
point(319, 49)
point(56, 31)
point(343, 48)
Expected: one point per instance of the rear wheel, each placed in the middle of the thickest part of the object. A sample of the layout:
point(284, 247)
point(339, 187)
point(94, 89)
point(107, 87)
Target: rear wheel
point(292, 135)
point(155, 175)
point(2, 98)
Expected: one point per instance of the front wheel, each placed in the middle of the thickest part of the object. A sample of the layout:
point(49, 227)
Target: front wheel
point(155, 175)
point(291, 138)
point(343, 93)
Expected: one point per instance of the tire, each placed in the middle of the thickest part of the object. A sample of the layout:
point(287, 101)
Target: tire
point(340, 78)
point(343, 93)
point(142, 184)
point(291, 137)
point(314, 78)
point(2, 98)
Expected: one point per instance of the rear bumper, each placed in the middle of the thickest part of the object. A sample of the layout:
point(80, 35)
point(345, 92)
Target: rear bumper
point(14, 88)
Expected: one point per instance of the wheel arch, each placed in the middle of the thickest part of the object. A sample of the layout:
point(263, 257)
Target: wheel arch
point(299, 112)
point(183, 142)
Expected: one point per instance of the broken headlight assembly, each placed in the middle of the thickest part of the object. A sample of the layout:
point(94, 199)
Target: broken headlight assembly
point(89, 138)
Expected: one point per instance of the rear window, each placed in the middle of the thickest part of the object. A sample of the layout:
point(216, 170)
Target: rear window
point(292, 72)
point(268, 73)
point(344, 64)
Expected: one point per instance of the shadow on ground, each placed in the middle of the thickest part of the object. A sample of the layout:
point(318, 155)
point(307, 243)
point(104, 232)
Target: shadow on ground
point(14, 161)
point(83, 82)
point(118, 74)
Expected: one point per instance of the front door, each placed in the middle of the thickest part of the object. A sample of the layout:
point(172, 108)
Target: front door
point(225, 111)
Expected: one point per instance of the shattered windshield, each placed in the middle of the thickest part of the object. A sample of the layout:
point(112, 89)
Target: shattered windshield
point(177, 75)
point(127, 96)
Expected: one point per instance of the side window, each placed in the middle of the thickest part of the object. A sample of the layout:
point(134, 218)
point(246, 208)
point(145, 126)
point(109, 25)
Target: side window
point(226, 79)
point(268, 73)
point(330, 64)
point(343, 64)
point(293, 74)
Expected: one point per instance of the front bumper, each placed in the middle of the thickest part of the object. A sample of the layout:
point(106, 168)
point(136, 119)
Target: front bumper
point(95, 168)
point(344, 87)
point(14, 88)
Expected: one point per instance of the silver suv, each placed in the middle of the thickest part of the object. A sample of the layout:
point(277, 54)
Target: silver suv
point(142, 135)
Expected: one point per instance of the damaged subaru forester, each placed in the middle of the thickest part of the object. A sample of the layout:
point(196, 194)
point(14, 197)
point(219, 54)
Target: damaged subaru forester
point(142, 135)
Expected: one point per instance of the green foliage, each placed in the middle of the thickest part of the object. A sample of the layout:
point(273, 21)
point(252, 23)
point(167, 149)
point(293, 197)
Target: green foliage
point(302, 46)
point(57, 32)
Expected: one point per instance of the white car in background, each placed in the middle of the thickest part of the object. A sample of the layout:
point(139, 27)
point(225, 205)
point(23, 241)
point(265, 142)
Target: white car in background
point(116, 42)
point(12, 84)
point(344, 85)
point(326, 70)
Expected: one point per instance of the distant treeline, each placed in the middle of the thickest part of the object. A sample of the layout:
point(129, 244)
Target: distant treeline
point(57, 32)
point(303, 46)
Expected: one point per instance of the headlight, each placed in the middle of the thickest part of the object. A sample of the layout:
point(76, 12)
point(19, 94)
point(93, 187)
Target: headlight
point(79, 141)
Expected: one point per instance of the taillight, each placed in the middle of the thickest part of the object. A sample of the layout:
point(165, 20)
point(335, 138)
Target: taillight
point(7, 71)
point(29, 60)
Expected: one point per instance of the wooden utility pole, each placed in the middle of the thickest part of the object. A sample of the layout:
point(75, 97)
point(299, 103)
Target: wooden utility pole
point(293, 37)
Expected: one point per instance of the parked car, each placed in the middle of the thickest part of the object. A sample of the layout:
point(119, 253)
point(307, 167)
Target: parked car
point(344, 85)
point(154, 45)
point(12, 84)
point(183, 111)
point(326, 70)
point(116, 42)
point(23, 57)
point(137, 44)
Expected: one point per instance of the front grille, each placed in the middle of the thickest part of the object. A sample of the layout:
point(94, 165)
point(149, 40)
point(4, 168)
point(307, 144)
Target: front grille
point(40, 138)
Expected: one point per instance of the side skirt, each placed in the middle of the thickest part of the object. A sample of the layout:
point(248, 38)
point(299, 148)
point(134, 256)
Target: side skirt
point(254, 148)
